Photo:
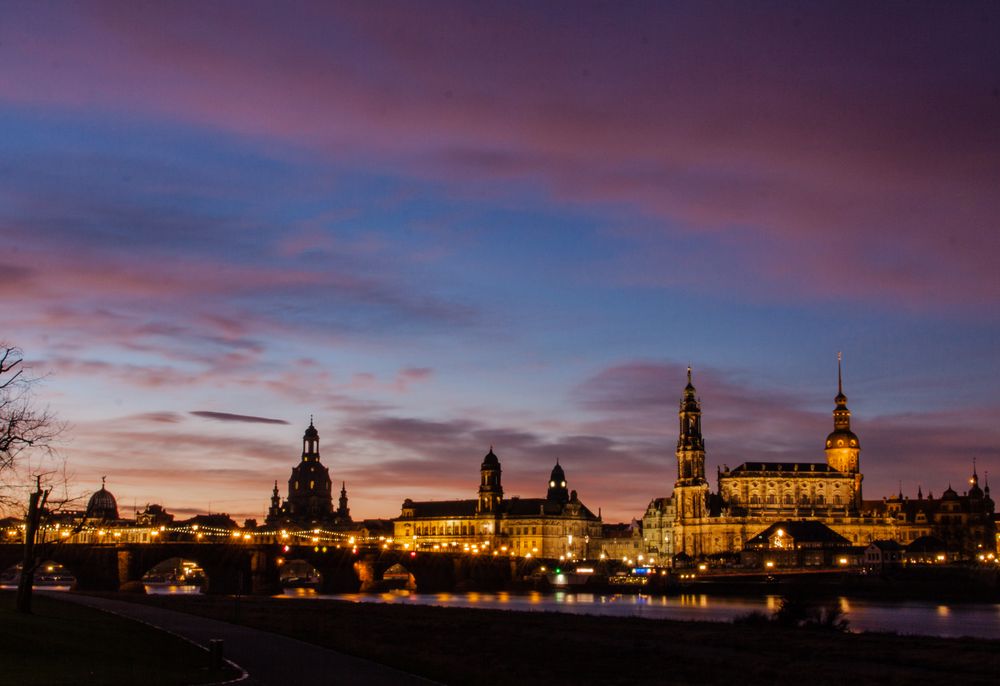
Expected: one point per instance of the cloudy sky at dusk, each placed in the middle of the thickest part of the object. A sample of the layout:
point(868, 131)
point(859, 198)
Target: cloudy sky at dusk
point(439, 226)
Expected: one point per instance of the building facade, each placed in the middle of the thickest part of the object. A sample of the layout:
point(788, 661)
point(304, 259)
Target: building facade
point(756, 495)
point(550, 527)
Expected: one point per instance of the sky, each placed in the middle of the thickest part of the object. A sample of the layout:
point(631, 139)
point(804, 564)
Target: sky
point(438, 227)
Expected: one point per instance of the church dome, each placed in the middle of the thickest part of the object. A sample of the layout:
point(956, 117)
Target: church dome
point(491, 459)
point(102, 505)
point(843, 438)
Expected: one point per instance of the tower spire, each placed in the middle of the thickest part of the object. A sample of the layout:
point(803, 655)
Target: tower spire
point(840, 378)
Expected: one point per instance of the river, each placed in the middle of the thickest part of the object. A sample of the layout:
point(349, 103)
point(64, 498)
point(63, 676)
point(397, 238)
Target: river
point(981, 620)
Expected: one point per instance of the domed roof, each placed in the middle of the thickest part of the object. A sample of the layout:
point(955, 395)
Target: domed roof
point(949, 494)
point(491, 459)
point(558, 476)
point(843, 438)
point(102, 505)
point(311, 432)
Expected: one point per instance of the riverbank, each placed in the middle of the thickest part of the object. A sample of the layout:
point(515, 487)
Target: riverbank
point(62, 643)
point(484, 647)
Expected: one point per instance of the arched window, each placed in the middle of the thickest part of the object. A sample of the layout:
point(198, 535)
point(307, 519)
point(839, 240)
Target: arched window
point(755, 499)
point(788, 499)
point(771, 500)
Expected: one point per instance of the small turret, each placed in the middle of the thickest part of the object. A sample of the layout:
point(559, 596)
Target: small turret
point(490, 490)
point(557, 492)
point(974, 490)
point(343, 511)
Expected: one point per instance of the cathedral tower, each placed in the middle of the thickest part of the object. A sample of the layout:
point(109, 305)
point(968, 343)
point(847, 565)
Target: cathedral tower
point(490, 491)
point(690, 444)
point(691, 488)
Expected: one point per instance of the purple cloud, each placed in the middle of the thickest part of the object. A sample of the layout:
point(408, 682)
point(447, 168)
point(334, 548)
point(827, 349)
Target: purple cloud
point(230, 417)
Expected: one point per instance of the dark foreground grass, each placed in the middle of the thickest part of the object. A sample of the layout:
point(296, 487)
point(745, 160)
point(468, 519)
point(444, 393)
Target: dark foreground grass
point(482, 647)
point(63, 643)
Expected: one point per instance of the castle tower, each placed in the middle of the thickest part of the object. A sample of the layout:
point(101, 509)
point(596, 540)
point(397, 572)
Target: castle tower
point(843, 449)
point(557, 492)
point(309, 496)
point(691, 488)
point(490, 490)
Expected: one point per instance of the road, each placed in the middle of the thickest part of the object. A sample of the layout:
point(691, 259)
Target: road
point(268, 659)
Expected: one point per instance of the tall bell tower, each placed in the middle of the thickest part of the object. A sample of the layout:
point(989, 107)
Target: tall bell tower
point(843, 449)
point(691, 488)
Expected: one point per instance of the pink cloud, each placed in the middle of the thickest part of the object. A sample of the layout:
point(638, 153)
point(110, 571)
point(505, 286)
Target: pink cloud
point(863, 159)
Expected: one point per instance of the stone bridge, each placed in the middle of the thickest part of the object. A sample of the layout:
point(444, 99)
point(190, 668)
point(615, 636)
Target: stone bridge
point(254, 568)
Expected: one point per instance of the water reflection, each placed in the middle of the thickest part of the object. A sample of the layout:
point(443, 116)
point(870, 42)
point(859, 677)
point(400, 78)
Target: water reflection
point(979, 620)
point(171, 589)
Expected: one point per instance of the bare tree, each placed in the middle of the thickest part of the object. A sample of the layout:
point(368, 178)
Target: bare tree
point(24, 429)
point(22, 424)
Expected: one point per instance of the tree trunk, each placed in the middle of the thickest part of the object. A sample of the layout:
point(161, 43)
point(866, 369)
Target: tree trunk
point(36, 501)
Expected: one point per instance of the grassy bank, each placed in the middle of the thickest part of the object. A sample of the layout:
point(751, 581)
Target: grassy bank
point(463, 646)
point(62, 643)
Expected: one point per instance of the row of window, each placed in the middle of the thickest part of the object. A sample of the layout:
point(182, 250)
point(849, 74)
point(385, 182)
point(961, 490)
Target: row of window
point(788, 499)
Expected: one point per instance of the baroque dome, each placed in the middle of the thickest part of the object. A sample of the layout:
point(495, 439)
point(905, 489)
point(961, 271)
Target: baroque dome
point(843, 438)
point(102, 504)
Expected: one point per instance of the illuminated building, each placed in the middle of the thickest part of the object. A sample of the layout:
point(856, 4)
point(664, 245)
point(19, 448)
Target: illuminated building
point(310, 500)
point(553, 526)
point(756, 495)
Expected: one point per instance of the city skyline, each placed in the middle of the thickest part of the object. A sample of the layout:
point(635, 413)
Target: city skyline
point(448, 227)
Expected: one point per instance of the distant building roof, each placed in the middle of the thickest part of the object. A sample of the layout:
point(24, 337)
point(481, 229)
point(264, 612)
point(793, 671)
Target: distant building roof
point(807, 533)
point(927, 544)
point(811, 467)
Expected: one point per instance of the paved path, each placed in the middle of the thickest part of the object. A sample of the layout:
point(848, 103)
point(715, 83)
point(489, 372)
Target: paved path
point(270, 659)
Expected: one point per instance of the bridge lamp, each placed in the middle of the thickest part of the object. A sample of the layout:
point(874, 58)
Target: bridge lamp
point(528, 555)
point(236, 534)
point(154, 534)
point(284, 534)
point(315, 539)
point(64, 533)
point(350, 540)
point(315, 531)
point(246, 537)
point(194, 527)
point(101, 532)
